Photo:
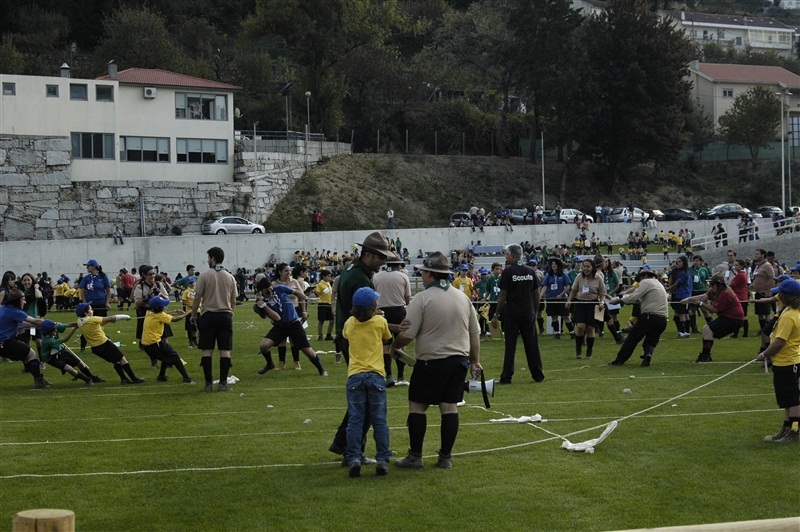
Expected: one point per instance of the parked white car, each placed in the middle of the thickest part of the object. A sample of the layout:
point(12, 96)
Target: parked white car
point(565, 216)
point(230, 224)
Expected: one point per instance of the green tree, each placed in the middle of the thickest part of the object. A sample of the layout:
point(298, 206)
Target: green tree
point(315, 36)
point(138, 37)
point(752, 120)
point(635, 86)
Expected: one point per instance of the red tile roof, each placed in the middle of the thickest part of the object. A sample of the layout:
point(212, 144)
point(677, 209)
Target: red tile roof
point(749, 74)
point(164, 78)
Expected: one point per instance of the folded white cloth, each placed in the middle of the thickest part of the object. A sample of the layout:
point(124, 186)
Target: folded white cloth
point(589, 445)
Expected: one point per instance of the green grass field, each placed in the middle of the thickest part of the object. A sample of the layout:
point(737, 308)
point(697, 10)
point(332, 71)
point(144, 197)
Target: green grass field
point(166, 456)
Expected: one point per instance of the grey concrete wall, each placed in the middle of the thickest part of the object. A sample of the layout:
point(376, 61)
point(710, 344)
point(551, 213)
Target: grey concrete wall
point(39, 200)
point(171, 253)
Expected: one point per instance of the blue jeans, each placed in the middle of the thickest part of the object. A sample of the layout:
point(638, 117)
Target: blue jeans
point(367, 392)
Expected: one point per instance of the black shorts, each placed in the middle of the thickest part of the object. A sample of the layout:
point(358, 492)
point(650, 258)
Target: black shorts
point(680, 308)
point(438, 381)
point(785, 380)
point(583, 312)
point(63, 359)
point(324, 312)
point(15, 350)
point(215, 328)
point(555, 307)
point(394, 315)
point(162, 351)
point(767, 329)
point(108, 352)
point(293, 331)
point(124, 294)
point(762, 309)
point(723, 326)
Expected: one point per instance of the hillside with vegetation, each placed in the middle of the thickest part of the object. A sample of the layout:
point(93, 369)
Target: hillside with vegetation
point(355, 191)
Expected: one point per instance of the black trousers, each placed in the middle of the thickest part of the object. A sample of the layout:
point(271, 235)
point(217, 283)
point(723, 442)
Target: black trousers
point(648, 327)
point(524, 326)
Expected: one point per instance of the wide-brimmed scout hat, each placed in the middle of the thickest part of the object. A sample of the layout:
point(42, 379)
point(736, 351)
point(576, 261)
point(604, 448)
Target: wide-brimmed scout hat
point(436, 262)
point(647, 270)
point(395, 258)
point(376, 243)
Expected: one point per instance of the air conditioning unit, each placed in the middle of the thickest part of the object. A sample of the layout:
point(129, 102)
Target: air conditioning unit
point(150, 92)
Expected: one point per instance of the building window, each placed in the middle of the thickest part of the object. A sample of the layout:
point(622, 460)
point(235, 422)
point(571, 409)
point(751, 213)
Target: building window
point(720, 34)
point(207, 151)
point(201, 106)
point(51, 91)
point(92, 145)
point(727, 93)
point(738, 41)
point(144, 149)
point(104, 93)
point(9, 89)
point(78, 92)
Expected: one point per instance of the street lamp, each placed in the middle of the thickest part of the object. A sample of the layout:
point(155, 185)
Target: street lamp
point(308, 113)
point(783, 94)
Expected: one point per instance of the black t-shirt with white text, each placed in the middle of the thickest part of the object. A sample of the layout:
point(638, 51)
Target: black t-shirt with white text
point(520, 283)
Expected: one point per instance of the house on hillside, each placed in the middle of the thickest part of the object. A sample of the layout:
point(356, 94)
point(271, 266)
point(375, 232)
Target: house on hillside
point(589, 7)
point(762, 34)
point(137, 124)
point(716, 86)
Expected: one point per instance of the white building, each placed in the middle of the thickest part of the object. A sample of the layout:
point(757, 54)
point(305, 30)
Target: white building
point(138, 124)
point(716, 86)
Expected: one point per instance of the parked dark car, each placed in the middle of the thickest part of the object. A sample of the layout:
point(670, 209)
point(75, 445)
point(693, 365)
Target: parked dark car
point(679, 215)
point(723, 210)
point(521, 217)
point(459, 219)
point(767, 211)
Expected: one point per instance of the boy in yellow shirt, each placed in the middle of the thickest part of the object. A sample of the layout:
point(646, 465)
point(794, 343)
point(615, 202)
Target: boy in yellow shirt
point(91, 327)
point(154, 345)
point(187, 298)
point(366, 381)
point(324, 291)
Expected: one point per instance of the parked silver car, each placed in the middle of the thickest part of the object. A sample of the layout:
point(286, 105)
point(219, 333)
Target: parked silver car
point(230, 224)
point(622, 214)
point(565, 216)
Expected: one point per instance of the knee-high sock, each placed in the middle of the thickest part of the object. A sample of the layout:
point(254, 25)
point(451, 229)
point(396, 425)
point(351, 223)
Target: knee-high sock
point(205, 363)
point(449, 431)
point(129, 371)
point(181, 369)
point(589, 346)
point(417, 425)
point(268, 356)
point(282, 353)
point(118, 369)
point(295, 354)
point(387, 364)
point(224, 367)
point(317, 364)
point(578, 344)
point(707, 345)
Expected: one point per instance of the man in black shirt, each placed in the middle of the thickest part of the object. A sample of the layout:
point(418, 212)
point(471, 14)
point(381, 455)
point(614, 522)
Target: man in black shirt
point(516, 306)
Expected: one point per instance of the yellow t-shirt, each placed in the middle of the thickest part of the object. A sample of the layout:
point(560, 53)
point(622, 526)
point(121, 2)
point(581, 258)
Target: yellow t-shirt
point(92, 329)
point(788, 329)
point(463, 284)
point(153, 328)
point(366, 344)
point(324, 292)
point(187, 298)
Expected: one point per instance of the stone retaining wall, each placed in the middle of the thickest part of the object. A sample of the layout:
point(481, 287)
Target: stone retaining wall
point(39, 200)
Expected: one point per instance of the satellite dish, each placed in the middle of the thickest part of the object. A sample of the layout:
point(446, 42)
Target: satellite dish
point(237, 113)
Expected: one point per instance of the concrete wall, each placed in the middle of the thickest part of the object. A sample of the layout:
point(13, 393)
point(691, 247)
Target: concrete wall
point(39, 200)
point(171, 254)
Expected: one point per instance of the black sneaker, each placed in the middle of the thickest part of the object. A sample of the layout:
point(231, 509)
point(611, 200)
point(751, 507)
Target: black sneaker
point(137, 380)
point(792, 436)
point(125, 381)
point(355, 470)
point(775, 437)
point(701, 359)
point(97, 379)
point(646, 361)
point(162, 378)
point(616, 362)
point(266, 368)
point(188, 380)
point(381, 470)
point(329, 338)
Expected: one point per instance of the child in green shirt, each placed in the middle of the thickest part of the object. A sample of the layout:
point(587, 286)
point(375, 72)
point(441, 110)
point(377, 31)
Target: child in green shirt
point(58, 355)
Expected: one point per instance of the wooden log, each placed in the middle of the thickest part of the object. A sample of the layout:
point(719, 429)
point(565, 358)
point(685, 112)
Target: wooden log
point(44, 520)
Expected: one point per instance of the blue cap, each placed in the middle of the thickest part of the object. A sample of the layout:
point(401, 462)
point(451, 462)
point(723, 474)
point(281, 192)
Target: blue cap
point(92, 262)
point(464, 267)
point(81, 309)
point(483, 271)
point(577, 259)
point(191, 279)
point(781, 278)
point(157, 303)
point(796, 268)
point(365, 297)
point(48, 326)
point(790, 286)
point(533, 261)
